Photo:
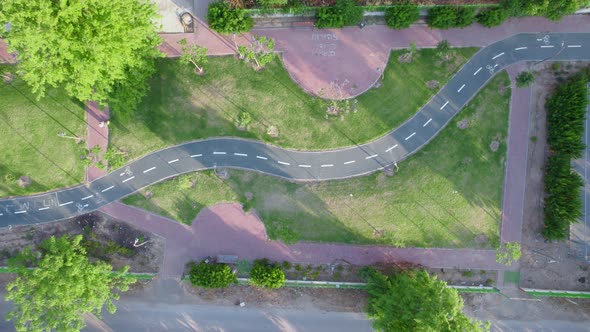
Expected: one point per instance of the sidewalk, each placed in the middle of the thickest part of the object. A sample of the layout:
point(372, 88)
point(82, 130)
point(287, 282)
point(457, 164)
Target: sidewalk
point(96, 135)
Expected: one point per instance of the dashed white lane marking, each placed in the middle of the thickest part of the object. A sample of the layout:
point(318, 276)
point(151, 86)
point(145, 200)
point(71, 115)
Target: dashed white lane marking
point(21, 211)
point(87, 197)
point(196, 155)
point(68, 203)
point(172, 161)
point(444, 105)
point(327, 165)
point(349, 162)
point(85, 205)
point(427, 122)
point(240, 154)
point(574, 46)
point(107, 189)
point(122, 174)
point(218, 152)
point(461, 88)
point(371, 156)
point(305, 166)
point(44, 208)
point(547, 46)
point(1, 214)
point(149, 170)
point(407, 138)
point(477, 71)
point(520, 48)
point(283, 163)
point(391, 148)
point(497, 56)
point(261, 157)
point(128, 179)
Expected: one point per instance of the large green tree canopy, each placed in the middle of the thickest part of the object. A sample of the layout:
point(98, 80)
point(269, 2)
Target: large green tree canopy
point(95, 48)
point(415, 301)
point(62, 287)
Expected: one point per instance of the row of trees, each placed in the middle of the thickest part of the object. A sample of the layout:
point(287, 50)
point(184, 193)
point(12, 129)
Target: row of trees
point(566, 111)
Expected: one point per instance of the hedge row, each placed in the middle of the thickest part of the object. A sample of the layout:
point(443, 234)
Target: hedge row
point(566, 111)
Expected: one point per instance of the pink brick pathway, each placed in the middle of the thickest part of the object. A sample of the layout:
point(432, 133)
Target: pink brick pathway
point(96, 135)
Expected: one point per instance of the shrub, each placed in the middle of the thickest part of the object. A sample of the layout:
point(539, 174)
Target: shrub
point(343, 13)
point(525, 79)
point(272, 3)
point(446, 17)
point(465, 16)
point(265, 274)
point(493, 17)
point(552, 9)
point(443, 48)
point(224, 19)
point(401, 17)
point(211, 275)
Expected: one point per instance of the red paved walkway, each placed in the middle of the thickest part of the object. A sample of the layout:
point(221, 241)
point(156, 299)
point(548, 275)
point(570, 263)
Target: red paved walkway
point(96, 135)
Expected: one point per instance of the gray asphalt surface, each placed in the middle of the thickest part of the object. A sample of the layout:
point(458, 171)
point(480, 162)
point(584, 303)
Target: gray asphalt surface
point(302, 165)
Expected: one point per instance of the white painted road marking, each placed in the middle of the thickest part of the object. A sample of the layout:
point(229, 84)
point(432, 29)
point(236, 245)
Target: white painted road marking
point(305, 166)
point(218, 152)
point(477, 71)
point(44, 208)
point(68, 203)
point(149, 170)
point(407, 138)
point(349, 162)
point(109, 188)
point(122, 174)
point(372, 156)
point(574, 46)
point(1, 214)
point(21, 211)
point(87, 197)
point(497, 56)
point(241, 154)
point(128, 179)
point(427, 122)
point(547, 46)
point(172, 161)
point(283, 163)
point(445, 104)
point(520, 48)
point(461, 88)
point(196, 155)
point(328, 165)
point(391, 148)
point(261, 157)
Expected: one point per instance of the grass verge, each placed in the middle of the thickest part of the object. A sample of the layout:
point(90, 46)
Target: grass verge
point(446, 195)
point(183, 106)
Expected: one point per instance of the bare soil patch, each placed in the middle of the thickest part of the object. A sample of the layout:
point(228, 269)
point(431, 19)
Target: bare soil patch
point(546, 265)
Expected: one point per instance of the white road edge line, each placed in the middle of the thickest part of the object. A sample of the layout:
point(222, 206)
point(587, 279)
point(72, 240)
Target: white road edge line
point(87, 197)
point(305, 166)
point(196, 155)
point(217, 152)
point(21, 211)
point(547, 46)
point(391, 148)
point(372, 156)
point(444, 105)
point(44, 208)
point(172, 161)
point(574, 46)
point(461, 88)
point(149, 170)
point(497, 56)
point(349, 162)
point(68, 203)
point(427, 122)
point(261, 157)
point(1, 214)
point(128, 179)
point(477, 71)
point(520, 48)
point(283, 163)
point(240, 154)
point(107, 189)
point(327, 165)
point(407, 138)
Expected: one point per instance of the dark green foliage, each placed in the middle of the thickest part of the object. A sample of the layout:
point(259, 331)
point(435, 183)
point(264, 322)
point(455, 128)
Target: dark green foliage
point(266, 274)
point(343, 13)
point(446, 17)
point(225, 19)
point(492, 17)
point(211, 275)
point(556, 9)
point(415, 301)
point(401, 17)
point(272, 3)
point(552, 9)
point(525, 79)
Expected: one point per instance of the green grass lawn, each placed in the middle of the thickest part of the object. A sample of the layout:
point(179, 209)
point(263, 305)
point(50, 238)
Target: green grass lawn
point(446, 195)
point(182, 106)
point(29, 142)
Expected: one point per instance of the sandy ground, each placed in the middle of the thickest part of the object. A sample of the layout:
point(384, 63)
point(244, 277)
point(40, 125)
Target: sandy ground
point(546, 265)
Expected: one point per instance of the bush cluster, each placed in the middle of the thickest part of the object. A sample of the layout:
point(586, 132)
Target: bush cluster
point(343, 13)
point(225, 19)
point(566, 110)
point(402, 16)
point(492, 17)
point(552, 9)
point(446, 17)
point(266, 274)
point(212, 275)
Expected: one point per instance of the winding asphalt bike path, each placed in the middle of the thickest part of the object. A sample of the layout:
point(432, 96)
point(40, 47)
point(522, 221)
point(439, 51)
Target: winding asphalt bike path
point(301, 165)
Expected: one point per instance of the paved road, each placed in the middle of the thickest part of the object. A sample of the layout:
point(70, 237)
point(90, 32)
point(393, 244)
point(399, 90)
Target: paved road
point(302, 165)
